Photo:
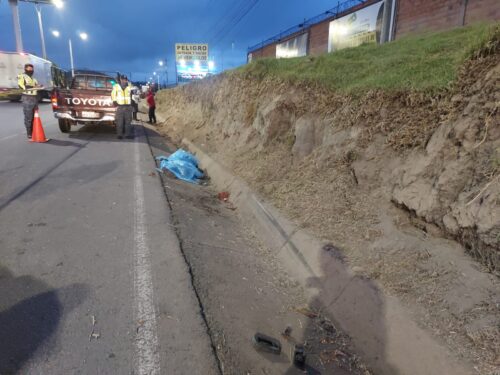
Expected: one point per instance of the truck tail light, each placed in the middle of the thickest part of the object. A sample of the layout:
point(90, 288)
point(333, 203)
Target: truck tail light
point(54, 100)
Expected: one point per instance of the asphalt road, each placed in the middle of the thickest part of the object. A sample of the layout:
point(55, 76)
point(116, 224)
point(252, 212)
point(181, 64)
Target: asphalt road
point(92, 279)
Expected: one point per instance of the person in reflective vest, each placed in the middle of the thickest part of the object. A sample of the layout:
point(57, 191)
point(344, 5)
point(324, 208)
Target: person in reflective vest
point(29, 98)
point(121, 95)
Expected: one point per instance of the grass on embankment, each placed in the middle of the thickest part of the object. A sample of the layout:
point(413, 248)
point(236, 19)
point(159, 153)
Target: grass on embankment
point(426, 62)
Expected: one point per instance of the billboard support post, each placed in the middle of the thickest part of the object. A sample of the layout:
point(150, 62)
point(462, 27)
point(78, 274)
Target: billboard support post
point(386, 22)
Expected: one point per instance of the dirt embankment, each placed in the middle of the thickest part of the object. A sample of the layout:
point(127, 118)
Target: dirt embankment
point(405, 183)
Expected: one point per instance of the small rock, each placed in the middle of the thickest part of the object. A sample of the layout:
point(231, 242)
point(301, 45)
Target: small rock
point(287, 332)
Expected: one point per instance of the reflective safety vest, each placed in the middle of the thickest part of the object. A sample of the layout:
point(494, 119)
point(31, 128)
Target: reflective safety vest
point(26, 82)
point(121, 96)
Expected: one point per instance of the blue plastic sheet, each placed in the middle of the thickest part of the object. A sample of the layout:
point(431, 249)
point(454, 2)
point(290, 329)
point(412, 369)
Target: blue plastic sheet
point(183, 165)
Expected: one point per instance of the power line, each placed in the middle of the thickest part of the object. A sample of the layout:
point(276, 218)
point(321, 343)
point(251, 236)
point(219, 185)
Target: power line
point(225, 18)
point(236, 18)
point(235, 22)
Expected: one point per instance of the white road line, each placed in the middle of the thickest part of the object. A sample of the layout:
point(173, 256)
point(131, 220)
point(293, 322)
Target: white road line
point(8, 137)
point(147, 356)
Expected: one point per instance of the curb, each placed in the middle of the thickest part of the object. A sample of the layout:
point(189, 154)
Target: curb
point(382, 330)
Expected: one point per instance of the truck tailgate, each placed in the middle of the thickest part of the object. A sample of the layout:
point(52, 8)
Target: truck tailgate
point(83, 105)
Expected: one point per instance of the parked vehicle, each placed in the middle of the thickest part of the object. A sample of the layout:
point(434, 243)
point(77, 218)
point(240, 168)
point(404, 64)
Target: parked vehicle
point(86, 101)
point(12, 64)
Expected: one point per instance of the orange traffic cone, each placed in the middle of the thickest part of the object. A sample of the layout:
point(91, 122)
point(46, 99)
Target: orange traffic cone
point(38, 134)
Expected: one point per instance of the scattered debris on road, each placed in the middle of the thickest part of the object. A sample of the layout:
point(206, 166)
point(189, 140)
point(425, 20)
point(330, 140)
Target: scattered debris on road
point(304, 310)
point(287, 332)
point(223, 196)
point(299, 356)
point(94, 335)
point(266, 343)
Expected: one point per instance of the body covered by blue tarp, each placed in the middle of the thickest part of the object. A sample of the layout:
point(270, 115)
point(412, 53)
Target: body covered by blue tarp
point(183, 165)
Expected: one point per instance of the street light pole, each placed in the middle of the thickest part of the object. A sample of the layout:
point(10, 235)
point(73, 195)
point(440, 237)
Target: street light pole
point(17, 25)
point(83, 36)
point(164, 66)
point(40, 25)
point(71, 58)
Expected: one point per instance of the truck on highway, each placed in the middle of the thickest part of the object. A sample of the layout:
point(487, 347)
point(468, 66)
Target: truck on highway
point(86, 101)
point(12, 64)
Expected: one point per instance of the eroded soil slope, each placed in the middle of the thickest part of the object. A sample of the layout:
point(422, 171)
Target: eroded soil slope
point(405, 183)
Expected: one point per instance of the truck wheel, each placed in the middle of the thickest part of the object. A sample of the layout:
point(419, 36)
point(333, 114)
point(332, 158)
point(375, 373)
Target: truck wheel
point(64, 125)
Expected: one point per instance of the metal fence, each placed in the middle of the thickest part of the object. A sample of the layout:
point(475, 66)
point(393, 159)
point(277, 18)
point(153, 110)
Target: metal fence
point(332, 13)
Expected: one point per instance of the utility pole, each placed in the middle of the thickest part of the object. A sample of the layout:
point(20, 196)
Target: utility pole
point(166, 70)
point(17, 25)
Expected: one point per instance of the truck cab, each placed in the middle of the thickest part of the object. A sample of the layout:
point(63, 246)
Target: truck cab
point(86, 101)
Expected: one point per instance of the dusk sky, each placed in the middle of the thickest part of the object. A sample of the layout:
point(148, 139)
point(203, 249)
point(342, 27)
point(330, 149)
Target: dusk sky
point(132, 36)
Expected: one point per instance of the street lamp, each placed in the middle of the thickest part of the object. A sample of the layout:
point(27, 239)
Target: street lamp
point(83, 36)
point(163, 66)
point(17, 25)
point(157, 76)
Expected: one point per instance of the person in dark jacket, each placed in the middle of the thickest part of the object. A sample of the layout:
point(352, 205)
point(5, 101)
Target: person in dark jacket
point(152, 107)
point(136, 98)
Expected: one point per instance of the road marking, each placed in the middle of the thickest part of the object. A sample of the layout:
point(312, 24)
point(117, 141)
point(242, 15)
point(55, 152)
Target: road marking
point(8, 137)
point(147, 356)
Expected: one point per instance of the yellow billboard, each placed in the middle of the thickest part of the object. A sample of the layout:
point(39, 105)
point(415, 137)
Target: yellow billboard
point(191, 52)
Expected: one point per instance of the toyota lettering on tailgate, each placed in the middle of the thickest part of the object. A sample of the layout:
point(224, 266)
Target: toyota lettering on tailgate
point(90, 101)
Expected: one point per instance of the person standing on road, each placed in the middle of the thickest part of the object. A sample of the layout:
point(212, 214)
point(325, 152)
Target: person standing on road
point(29, 98)
point(121, 95)
point(152, 107)
point(136, 98)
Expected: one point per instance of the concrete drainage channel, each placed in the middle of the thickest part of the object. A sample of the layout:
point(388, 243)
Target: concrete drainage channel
point(382, 330)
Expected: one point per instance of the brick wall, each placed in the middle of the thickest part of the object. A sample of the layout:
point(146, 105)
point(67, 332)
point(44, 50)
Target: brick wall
point(423, 15)
point(267, 51)
point(480, 10)
point(318, 38)
point(413, 16)
point(416, 16)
